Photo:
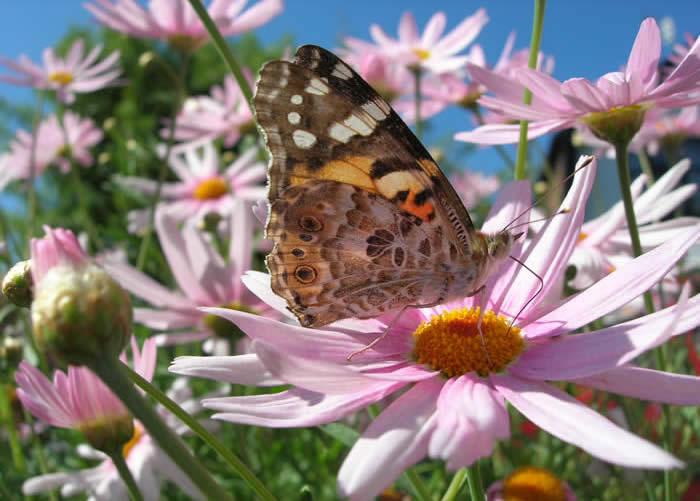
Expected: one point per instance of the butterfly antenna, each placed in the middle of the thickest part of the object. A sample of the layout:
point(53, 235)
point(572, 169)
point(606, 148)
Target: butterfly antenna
point(529, 300)
point(388, 327)
point(558, 213)
point(585, 164)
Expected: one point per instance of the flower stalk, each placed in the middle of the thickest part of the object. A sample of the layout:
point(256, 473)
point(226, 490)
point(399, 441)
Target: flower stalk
point(537, 24)
point(476, 486)
point(455, 485)
point(31, 195)
point(417, 74)
point(124, 472)
point(223, 48)
point(180, 91)
point(236, 464)
point(110, 370)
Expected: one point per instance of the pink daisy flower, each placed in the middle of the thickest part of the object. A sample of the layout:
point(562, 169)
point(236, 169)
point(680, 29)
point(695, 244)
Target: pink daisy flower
point(77, 73)
point(204, 279)
point(428, 50)
point(55, 144)
point(604, 242)
point(455, 404)
point(202, 187)
point(223, 113)
point(80, 400)
point(440, 91)
point(176, 21)
point(387, 77)
point(624, 95)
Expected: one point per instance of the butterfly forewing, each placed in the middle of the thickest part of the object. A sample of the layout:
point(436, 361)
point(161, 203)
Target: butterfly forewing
point(362, 218)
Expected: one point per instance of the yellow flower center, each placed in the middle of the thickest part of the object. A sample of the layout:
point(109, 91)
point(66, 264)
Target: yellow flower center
point(533, 484)
point(422, 54)
point(582, 236)
point(61, 77)
point(211, 188)
point(224, 328)
point(451, 342)
point(138, 433)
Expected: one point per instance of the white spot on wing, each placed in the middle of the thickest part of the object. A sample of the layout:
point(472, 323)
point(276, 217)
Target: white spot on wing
point(341, 133)
point(374, 110)
point(296, 99)
point(341, 71)
point(283, 82)
point(293, 117)
point(303, 139)
point(358, 125)
point(317, 87)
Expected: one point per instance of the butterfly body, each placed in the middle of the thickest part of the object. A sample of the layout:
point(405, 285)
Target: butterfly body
point(362, 219)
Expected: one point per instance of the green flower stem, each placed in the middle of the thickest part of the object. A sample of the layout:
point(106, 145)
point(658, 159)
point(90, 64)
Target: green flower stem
point(31, 195)
point(127, 477)
point(112, 374)
point(417, 74)
point(236, 464)
point(455, 485)
point(537, 24)
point(623, 174)
point(476, 487)
point(9, 422)
point(39, 450)
point(646, 166)
point(223, 48)
point(90, 227)
point(180, 90)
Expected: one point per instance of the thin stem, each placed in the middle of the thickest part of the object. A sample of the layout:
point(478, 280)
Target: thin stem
point(646, 166)
point(455, 485)
point(417, 74)
point(6, 417)
point(112, 374)
point(422, 492)
point(476, 486)
point(90, 227)
point(661, 362)
point(223, 48)
point(535, 40)
point(39, 449)
point(127, 477)
point(236, 464)
point(31, 196)
point(180, 91)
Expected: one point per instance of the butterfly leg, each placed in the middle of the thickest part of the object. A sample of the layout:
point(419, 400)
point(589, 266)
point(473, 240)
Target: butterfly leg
point(391, 324)
point(482, 307)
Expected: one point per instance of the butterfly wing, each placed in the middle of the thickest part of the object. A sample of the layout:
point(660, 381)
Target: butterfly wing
point(324, 124)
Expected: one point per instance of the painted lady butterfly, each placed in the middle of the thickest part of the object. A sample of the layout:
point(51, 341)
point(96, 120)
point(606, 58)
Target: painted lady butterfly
point(363, 220)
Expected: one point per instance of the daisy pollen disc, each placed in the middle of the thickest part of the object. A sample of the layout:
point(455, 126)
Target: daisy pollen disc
point(61, 77)
point(450, 342)
point(214, 187)
point(531, 483)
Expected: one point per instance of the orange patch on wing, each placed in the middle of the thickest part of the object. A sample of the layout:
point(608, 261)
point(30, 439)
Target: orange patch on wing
point(426, 211)
point(351, 170)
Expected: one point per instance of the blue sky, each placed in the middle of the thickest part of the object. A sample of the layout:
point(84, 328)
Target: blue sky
point(587, 39)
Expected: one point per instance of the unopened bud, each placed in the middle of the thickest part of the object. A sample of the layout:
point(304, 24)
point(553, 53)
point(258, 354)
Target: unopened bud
point(110, 434)
point(18, 285)
point(80, 313)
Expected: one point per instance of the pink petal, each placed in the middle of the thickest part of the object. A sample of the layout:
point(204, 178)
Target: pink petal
point(584, 96)
point(310, 374)
point(433, 29)
point(647, 384)
point(608, 294)
point(566, 418)
point(239, 369)
point(471, 417)
point(580, 355)
point(167, 319)
point(643, 60)
point(296, 407)
point(408, 31)
point(507, 134)
point(320, 344)
point(397, 439)
point(255, 16)
point(463, 34)
point(258, 283)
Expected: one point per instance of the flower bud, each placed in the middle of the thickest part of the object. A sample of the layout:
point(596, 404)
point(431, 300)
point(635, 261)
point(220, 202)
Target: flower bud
point(109, 435)
point(18, 285)
point(79, 312)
